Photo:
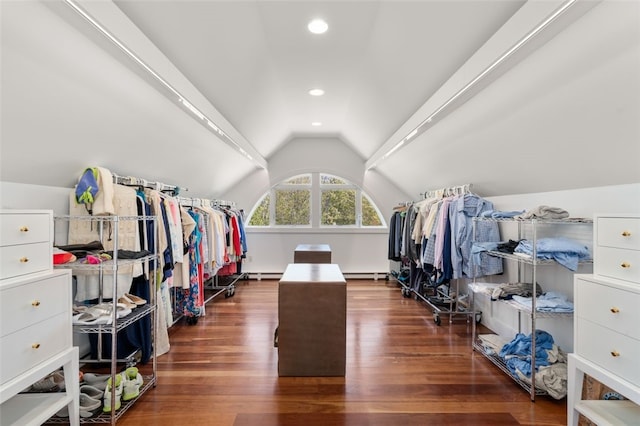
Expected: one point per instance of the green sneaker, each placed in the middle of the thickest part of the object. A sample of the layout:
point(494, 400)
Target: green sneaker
point(132, 383)
point(107, 394)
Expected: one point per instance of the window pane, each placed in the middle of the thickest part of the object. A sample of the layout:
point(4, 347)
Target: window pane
point(299, 180)
point(369, 214)
point(293, 207)
point(260, 216)
point(339, 207)
point(330, 179)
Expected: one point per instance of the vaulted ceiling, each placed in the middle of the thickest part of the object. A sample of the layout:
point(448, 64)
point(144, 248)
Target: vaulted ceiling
point(427, 93)
point(379, 61)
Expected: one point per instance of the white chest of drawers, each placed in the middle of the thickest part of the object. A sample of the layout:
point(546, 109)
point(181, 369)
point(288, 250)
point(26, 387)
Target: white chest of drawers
point(617, 248)
point(606, 324)
point(35, 321)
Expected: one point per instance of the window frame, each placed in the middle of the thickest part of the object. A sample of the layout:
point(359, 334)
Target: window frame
point(315, 204)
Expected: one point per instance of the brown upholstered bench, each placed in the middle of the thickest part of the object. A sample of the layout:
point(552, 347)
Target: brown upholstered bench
point(312, 316)
point(312, 253)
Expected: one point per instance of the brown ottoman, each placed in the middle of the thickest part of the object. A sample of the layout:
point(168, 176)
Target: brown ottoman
point(312, 253)
point(312, 319)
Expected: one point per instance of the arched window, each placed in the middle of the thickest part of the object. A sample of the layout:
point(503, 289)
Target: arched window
point(316, 200)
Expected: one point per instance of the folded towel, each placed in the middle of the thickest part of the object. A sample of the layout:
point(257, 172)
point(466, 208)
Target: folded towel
point(545, 212)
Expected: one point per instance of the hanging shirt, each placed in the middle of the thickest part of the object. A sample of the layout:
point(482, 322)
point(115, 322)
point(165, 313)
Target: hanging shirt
point(461, 215)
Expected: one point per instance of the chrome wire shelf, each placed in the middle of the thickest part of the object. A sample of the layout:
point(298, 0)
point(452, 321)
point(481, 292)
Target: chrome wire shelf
point(568, 220)
point(499, 362)
point(121, 323)
point(539, 314)
point(106, 265)
point(528, 259)
point(103, 218)
point(105, 418)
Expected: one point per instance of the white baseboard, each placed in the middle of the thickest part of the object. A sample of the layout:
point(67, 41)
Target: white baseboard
point(348, 275)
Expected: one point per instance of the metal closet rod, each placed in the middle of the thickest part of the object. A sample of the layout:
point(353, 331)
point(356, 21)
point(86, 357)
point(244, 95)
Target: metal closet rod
point(447, 191)
point(136, 181)
point(195, 202)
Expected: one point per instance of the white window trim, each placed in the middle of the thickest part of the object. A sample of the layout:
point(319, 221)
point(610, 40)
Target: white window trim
point(315, 205)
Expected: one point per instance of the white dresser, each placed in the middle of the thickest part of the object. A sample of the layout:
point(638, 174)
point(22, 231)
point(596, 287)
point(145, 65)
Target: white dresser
point(35, 321)
point(607, 324)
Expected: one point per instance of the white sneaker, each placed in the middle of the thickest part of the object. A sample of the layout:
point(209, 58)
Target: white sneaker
point(132, 383)
point(107, 394)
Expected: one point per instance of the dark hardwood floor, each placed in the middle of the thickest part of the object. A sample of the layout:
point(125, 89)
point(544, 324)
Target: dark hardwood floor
point(402, 369)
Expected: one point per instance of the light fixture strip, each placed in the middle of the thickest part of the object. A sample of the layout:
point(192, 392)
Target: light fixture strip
point(150, 70)
point(484, 73)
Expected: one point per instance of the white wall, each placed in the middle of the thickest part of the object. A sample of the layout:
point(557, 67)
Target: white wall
point(355, 252)
point(316, 154)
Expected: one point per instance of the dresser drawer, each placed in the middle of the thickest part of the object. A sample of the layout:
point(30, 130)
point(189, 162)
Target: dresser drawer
point(25, 228)
point(30, 346)
point(25, 259)
point(622, 264)
point(33, 302)
point(620, 232)
point(611, 307)
point(612, 351)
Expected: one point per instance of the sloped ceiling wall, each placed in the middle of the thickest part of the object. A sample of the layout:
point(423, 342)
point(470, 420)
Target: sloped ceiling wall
point(565, 117)
point(69, 102)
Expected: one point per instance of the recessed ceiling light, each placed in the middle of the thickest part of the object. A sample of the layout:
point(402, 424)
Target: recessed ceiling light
point(318, 26)
point(316, 123)
point(316, 92)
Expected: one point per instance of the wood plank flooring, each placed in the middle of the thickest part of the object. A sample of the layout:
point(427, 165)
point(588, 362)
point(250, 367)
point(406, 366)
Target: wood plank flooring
point(402, 369)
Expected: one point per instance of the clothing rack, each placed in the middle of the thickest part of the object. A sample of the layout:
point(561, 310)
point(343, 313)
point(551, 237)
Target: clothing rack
point(448, 191)
point(212, 283)
point(199, 202)
point(441, 301)
point(402, 206)
point(136, 181)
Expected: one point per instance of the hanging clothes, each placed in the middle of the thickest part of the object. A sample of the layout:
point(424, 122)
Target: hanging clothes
point(464, 209)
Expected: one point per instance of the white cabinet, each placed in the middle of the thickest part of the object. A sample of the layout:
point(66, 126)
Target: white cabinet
point(606, 334)
point(25, 242)
point(617, 248)
point(35, 321)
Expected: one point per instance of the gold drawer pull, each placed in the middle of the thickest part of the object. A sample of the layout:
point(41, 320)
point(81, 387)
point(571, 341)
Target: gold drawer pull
point(24, 259)
point(614, 310)
point(625, 265)
point(35, 303)
point(35, 345)
point(615, 354)
point(626, 233)
point(24, 229)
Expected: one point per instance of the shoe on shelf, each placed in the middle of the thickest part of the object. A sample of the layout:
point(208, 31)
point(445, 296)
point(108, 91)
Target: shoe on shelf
point(88, 406)
point(92, 391)
point(127, 303)
point(100, 314)
point(138, 301)
point(108, 391)
point(98, 381)
point(96, 314)
point(50, 383)
point(132, 383)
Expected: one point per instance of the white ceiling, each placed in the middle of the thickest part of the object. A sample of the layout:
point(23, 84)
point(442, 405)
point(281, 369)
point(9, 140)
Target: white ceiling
point(378, 63)
point(562, 116)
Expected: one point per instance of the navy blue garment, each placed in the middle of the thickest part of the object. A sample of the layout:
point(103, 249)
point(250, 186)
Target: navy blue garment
point(167, 271)
point(447, 265)
point(135, 337)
